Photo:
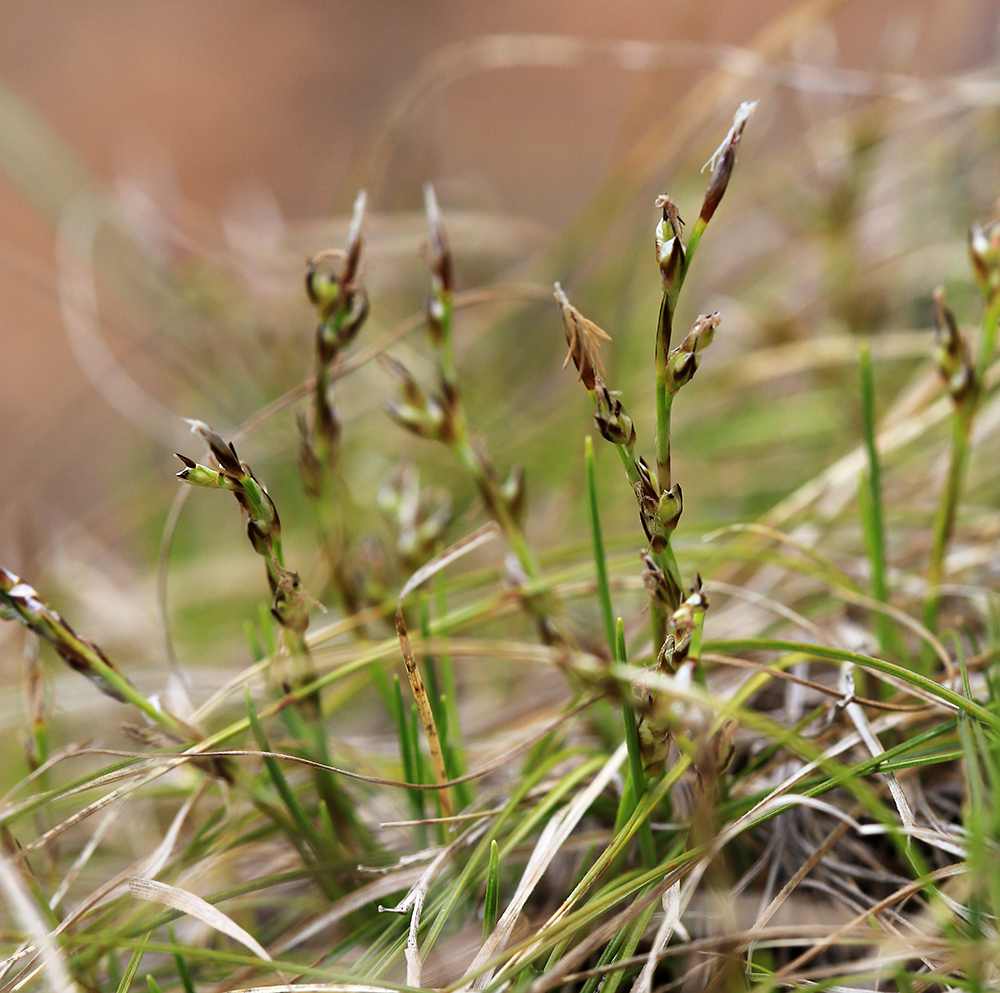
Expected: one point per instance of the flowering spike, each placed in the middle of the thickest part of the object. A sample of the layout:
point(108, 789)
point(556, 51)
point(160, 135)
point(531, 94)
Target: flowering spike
point(984, 253)
point(667, 239)
point(723, 160)
point(952, 350)
point(611, 420)
point(440, 254)
point(683, 361)
point(583, 338)
point(20, 602)
point(225, 455)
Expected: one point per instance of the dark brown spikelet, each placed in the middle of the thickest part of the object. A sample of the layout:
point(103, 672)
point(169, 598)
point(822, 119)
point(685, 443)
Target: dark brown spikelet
point(225, 455)
point(723, 160)
point(984, 253)
point(583, 338)
point(20, 602)
point(671, 213)
point(439, 254)
point(669, 250)
point(952, 355)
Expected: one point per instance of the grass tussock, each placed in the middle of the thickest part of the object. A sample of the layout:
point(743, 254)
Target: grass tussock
point(567, 725)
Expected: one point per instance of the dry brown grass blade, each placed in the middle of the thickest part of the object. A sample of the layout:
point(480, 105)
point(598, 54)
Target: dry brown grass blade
point(28, 916)
point(468, 544)
point(414, 902)
point(148, 866)
point(552, 838)
point(188, 903)
point(787, 973)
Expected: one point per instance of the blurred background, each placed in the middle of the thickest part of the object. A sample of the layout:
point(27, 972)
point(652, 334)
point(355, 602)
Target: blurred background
point(166, 169)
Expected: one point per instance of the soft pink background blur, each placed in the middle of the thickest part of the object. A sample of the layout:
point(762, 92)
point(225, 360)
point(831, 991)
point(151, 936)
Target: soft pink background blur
point(230, 97)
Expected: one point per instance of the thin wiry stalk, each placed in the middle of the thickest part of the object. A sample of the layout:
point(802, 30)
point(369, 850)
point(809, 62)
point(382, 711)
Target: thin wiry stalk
point(335, 288)
point(291, 603)
point(872, 517)
point(964, 376)
point(20, 602)
point(660, 499)
point(441, 416)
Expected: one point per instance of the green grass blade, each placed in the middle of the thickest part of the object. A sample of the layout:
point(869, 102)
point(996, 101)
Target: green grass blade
point(183, 973)
point(597, 538)
point(133, 965)
point(492, 903)
point(870, 503)
point(636, 772)
point(463, 791)
point(299, 817)
point(929, 686)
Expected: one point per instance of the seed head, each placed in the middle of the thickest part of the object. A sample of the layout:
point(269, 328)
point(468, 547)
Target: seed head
point(421, 413)
point(355, 238)
point(202, 475)
point(291, 604)
point(20, 602)
point(669, 509)
point(952, 350)
point(682, 623)
point(654, 579)
point(723, 160)
point(513, 492)
point(439, 254)
point(224, 455)
point(583, 337)
point(334, 286)
point(420, 516)
point(684, 359)
point(984, 253)
point(611, 420)
point(667, 239)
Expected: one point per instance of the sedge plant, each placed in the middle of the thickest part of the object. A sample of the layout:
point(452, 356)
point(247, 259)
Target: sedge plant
point(807, 830)
point(963, 372)
point(676, 616)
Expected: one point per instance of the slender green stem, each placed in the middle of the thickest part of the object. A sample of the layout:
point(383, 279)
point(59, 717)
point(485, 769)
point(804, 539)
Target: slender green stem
point(610, 953)
point(415, 798)
point(492, 903)
point(961, 448)
point(646, 845)
point(947, 508)
point(870, 491)
point(183, 973)
point(597, 537)
point(616, 643)
point(455, 755)
point(284, 790)
point(696, 232)
point(635, 932)
point(130, 694)
point(877, 551)
point(988, 338)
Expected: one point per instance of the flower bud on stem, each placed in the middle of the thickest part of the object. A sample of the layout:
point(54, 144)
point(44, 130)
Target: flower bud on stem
point(441, 416)
point(659, 497)
point(334, 286)
point(21, 602)
point(290, 604)
point(963, 375)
